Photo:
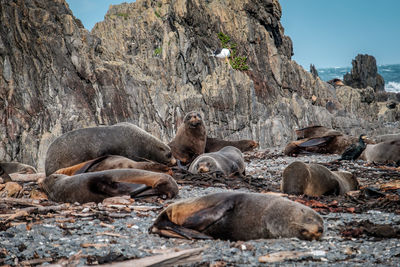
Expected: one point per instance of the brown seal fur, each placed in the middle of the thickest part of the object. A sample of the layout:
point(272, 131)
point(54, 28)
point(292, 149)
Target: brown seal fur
point(238, 216)
point(113, 162)
point(124, 139)
point(16, 167)
point(229, 160)
point(190, 139)
point(96, 186)
point(316, 180)
point(383, 153)
point(319, 139)
point(215, 144)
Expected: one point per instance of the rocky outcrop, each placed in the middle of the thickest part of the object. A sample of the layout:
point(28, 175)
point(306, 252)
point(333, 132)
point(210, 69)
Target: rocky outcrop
point(148, 63)
point(364, 73)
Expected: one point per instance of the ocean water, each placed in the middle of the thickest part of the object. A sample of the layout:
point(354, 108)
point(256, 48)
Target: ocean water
point(390, 73)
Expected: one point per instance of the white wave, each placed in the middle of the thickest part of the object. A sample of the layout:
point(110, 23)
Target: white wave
point(392, 87)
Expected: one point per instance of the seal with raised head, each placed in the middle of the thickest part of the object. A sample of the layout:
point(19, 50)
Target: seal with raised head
point(96, 186)
point(238, 216)
point(190, 139)
point(316, 180)
point(229, 160)
point(383, 153)
point(215, 144)
point(114, 162)
point(124, 139)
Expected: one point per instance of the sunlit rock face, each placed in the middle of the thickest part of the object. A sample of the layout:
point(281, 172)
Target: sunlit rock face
point(148, 63)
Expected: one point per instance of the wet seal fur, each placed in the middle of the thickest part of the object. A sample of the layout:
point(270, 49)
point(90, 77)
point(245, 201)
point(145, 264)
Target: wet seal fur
point(316, 180)
point(215, 144)
point(383, 153)
point(229, 160)
point(124, 139)
point(190, 139)
point(111, 162)
point(238, 216)
point(96, 186)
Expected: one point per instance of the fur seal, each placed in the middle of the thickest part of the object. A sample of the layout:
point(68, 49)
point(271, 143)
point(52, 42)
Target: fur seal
point(190, 139)
point(16, 167)
point(215, 144)
point(124, 139)
point(110, 162)
point(383, 153)
point(229, 160)
point(319, 139)
point(316, 180)
point(387, 137)
point(96, 186)
point(238, 216)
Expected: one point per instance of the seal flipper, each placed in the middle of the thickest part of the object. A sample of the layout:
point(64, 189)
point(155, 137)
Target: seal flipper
point(316, 141)
point(164, 227)
point(204, 218)
point(112, 189)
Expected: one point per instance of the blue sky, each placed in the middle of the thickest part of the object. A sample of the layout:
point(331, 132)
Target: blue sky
point(327, 33)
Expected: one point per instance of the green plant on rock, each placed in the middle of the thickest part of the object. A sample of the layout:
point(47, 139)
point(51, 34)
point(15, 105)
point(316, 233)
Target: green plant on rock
point(157, 51)
point(157, 14)
point(124, 15)
point(237, 62)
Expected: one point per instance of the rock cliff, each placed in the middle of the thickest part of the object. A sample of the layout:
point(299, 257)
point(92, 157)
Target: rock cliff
point(148, 63)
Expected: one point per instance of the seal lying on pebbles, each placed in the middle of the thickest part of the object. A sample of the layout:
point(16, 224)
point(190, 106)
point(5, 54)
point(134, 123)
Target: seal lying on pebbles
point(384, 152)
point(16, 167)
point(229, 160)
point(113, 162)
point(319, 139)
point(238, 216)
point(124, 139)
point(190, 139)
point(96, 186)
point(215, 144)
point(316, 180)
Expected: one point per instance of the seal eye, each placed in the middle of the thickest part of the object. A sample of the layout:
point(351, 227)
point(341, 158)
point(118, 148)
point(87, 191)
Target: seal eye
point(169, 155)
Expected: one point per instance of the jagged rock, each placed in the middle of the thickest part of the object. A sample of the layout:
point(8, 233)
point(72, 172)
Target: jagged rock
point(313, 71)
point(364, 73)
point(148, 63)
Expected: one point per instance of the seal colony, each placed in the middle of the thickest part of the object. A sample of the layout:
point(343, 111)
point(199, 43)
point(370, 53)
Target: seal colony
point(91, 164)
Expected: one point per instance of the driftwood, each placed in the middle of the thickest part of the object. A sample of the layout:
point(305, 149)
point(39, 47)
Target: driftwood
point(169, 259)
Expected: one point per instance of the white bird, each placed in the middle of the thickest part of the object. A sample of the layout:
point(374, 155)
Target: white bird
point(221, 53)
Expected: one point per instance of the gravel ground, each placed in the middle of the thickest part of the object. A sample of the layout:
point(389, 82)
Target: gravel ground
point(100, 239)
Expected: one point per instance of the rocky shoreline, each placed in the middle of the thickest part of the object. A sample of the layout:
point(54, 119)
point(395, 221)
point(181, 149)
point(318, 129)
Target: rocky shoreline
point(117, 230)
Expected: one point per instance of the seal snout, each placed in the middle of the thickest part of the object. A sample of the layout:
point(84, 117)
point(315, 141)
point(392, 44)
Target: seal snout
point(312, 232)
point(203, 169)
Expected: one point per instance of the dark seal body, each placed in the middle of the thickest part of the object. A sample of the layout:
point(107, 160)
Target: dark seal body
point(238, 216)
point(124, 139)
point(96, 186)
point(229, 160)
point(216, 144)
point(190, 139)
point(316, 180)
